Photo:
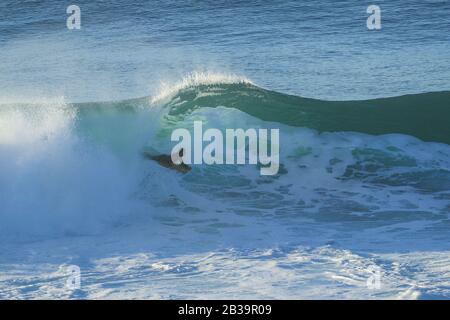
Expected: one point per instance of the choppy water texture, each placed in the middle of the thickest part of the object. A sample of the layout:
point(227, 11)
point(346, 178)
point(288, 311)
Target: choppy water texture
point(364, 146)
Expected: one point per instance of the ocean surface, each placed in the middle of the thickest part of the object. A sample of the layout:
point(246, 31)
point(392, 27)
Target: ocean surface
point(363, 191)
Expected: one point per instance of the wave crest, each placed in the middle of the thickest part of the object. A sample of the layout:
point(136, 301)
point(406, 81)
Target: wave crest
point(193, 79)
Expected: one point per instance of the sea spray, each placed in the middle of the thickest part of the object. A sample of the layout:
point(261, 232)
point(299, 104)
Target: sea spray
point(53, 180)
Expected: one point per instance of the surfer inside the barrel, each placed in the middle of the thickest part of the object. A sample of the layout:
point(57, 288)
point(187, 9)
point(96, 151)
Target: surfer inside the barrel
point(166, 161)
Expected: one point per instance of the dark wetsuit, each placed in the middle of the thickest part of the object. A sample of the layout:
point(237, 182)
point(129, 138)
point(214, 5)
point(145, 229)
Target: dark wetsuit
point(166, 161)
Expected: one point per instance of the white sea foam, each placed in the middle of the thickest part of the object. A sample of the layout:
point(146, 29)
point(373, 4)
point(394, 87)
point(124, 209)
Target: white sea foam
point(274, 272)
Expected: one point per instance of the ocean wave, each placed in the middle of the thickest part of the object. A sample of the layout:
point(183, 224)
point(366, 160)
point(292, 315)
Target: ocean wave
point(423, 115)
point(72, 167)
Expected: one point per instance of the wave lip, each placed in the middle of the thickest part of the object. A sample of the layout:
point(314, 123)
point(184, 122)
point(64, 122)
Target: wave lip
point(195, 79)
point(423, 115)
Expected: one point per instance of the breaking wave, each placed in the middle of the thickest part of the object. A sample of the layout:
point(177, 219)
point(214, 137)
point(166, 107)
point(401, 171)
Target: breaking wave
point(68, 168)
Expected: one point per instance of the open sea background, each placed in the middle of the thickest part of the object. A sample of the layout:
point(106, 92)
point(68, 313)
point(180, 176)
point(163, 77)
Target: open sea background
point(348, 205)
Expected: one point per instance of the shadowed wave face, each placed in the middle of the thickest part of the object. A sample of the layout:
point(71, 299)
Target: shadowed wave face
point(424, 115)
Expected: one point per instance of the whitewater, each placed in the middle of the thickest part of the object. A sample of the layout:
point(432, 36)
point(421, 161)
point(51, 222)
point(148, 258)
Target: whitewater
point(364, 176)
